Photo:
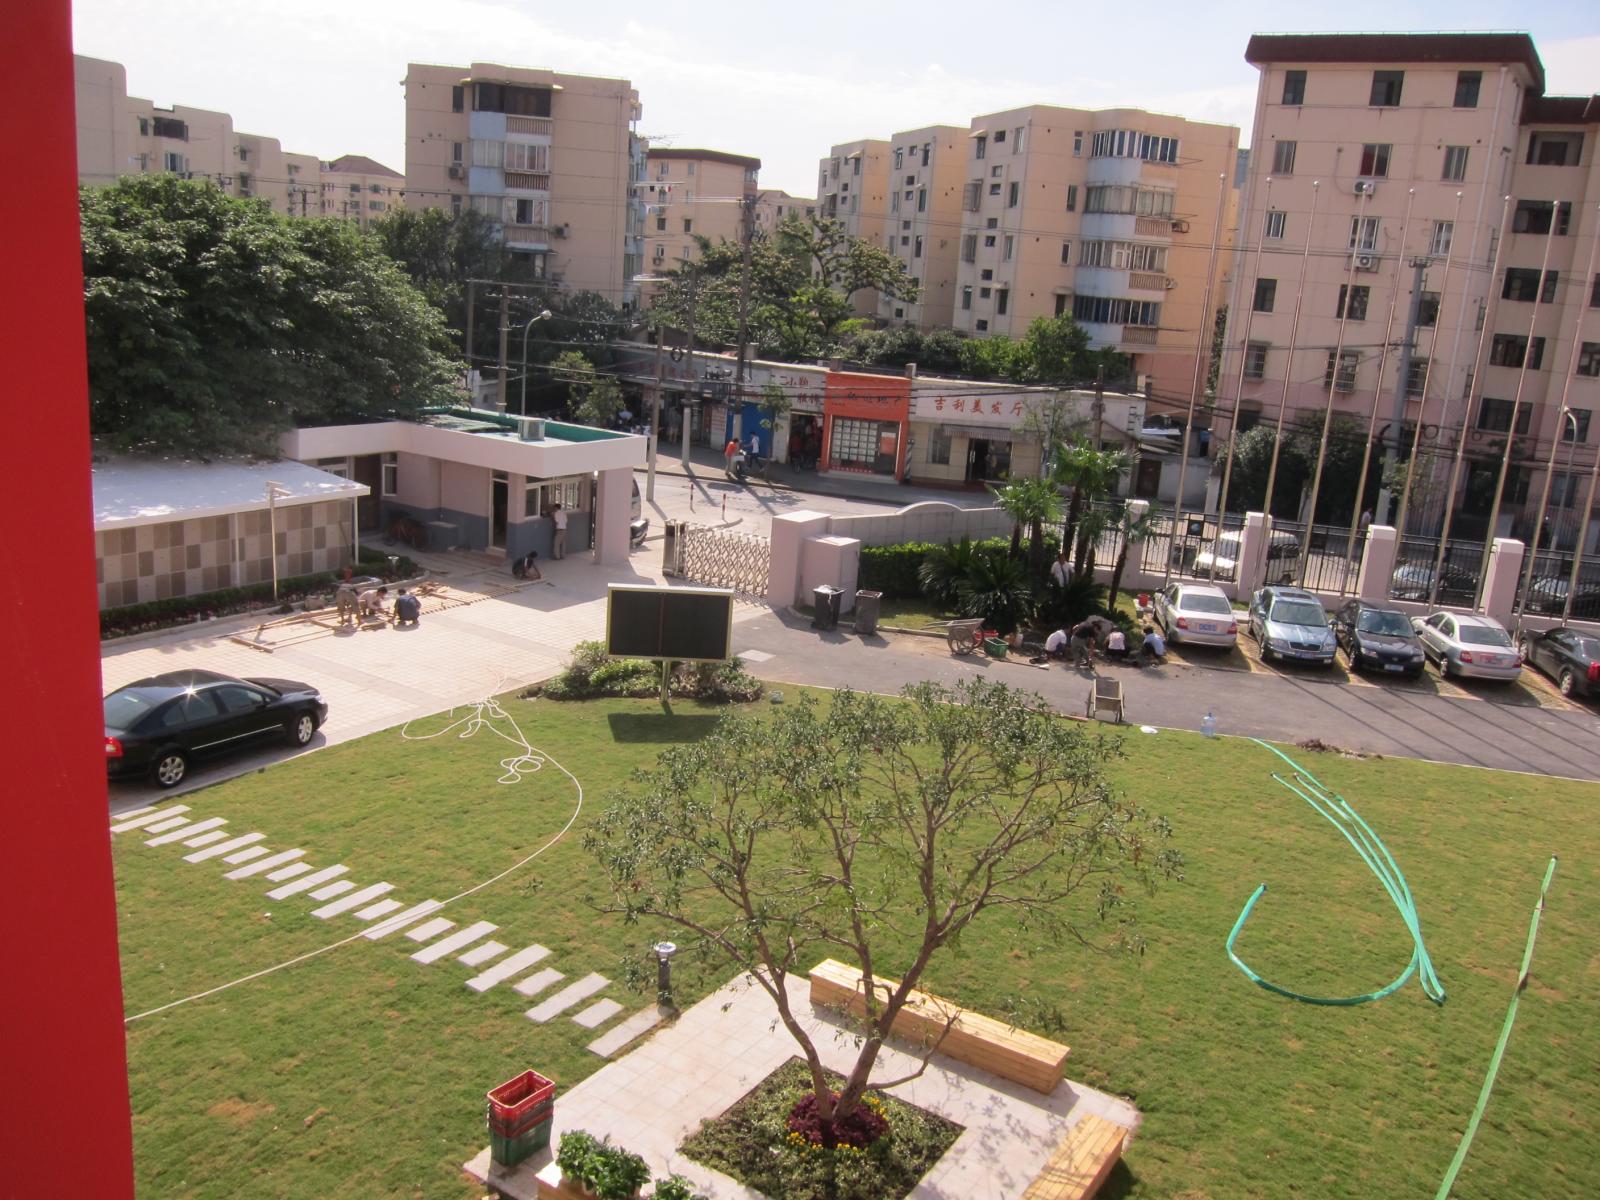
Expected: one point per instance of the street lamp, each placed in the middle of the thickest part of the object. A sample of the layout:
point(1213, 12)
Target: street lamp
point(542, 315)
point(664, 952)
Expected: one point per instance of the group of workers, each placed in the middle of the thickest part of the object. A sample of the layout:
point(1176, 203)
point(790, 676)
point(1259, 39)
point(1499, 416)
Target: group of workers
point(359, 605)
point(1079, 643)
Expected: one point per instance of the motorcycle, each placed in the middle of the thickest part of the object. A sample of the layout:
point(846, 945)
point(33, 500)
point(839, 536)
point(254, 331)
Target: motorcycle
point(739, 468)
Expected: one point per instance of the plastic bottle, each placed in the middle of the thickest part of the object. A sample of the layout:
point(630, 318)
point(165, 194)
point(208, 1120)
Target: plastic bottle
point(1208, 725)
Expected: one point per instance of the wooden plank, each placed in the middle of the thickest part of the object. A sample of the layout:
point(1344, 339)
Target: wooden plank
point(1082, 1162)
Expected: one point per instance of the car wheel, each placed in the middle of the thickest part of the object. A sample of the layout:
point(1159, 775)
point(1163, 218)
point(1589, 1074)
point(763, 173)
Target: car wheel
point(1525, 648)
point(301, 728)
point(170, 768)
point(1568, 682)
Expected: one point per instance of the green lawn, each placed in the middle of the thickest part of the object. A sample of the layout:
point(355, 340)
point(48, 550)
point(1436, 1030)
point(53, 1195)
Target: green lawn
point(360, 1073)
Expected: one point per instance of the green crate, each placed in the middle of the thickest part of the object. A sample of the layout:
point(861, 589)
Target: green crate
point(509, 1150)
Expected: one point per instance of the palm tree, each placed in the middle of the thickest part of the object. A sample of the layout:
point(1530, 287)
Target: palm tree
point(942, 570)
point(1090, 474)
point(996, 588)
point(1135, 530)
point(1032, 503)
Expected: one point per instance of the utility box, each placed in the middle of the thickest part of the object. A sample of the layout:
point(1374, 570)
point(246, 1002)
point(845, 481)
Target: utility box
point(867, 604)
point(672, 545)
point(827, 599)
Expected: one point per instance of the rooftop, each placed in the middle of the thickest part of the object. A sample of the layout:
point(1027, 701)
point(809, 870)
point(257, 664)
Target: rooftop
point(663, 153)
point(360, 164)
point(1397, 48)
point(139, 491)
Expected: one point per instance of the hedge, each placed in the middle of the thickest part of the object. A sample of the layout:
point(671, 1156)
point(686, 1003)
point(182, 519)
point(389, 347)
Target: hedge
point(892, 570)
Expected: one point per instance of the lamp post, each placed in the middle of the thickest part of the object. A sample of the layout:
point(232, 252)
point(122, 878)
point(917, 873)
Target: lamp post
point(522, 404)
point(664, 952)
point(275, 492)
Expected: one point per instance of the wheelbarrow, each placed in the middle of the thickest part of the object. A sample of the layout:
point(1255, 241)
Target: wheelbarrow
point(964, 637)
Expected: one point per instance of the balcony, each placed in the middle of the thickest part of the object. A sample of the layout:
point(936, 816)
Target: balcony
point(528, 181)
point(1146, 281)
point(526, 235)
point(1160, 227)
point(1138, 335)
point(537, 126)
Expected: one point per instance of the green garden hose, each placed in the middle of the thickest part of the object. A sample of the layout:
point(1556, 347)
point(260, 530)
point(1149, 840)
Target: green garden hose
point(1375, 854)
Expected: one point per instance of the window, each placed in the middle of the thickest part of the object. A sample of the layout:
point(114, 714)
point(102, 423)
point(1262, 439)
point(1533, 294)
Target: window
point(1375, 159)
point(455, 206)
point(1294, 87)
point(1534, 216)
point(1255, 359)
point(899, 158)
point(996, 172)
point(1428, 310)
point(1118, 198)
point(927, 148)
point(1104, 310)
point(986, 274)
point(1072, 197)
point(1357, 308)
point(980, 146)
point(1467, 84)
point(1494, 416)
point(969, 247)
point(916, 247)
point(661, 170)
point(971, 195)
point(391, 474)
point(1509, 350)
point(1077, 143)
point(1013, 194)
point(1266, 294)
point(458, 98)
point(1348, 361)
point(992, 223)
point(1455, 164)
point(939, 446)
point(1588, 364)
point(144, 126)
point(661, 224)
point(1386, 86)
point(1006, 248)
point(1276, 221)
point(1283, 158)
point(1066, 252)
point(1364, 233)
point(994, 189)
point(688, 225)
point(910, 179)
point(244, 154)
point(905, 239)
point(989, 241)
point(981, 325)
point(1061, 304)
point(1000, 136)
point(170, 127)
point(1554, 149)
point(1439, 242)
point(690, 169)
point(1594, 293)
point(455, 153)
point(855, 166)
point(512, 99)
point(1522, 283)
point(984, 293)
point(176, 163)
point(1416, 375)
point(1580, 415)
point(1001, 300)
point(966, 297)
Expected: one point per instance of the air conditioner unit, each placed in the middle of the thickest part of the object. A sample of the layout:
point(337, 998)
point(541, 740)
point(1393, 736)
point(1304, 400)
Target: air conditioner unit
point(1180, 226)
point(1365, 187)
point(1171, 283)
point(458, 171)
point(1366, 262)
point(559, 231)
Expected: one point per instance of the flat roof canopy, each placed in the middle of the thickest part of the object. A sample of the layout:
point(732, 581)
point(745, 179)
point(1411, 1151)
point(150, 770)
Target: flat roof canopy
point(134, 491)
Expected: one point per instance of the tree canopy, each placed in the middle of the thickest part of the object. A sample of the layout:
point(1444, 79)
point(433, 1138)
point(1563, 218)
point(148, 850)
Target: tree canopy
point(594, 398)
point(213, 324)
point(1054, 350)
point(877, 830)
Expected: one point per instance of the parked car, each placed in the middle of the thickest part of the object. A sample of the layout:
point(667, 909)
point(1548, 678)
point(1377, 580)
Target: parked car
point(1470, 645)
point(1283, 557)
point(1569, 656)
point(1548, 594)
point(1414, 581)
point(1378, 638)
point(1196, 612)
point(155, 726)
point(1289, 623)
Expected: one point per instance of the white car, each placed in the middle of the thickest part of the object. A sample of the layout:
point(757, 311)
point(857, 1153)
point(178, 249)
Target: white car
point(1283, 557)
point(1469, 644)
point(1196, 612)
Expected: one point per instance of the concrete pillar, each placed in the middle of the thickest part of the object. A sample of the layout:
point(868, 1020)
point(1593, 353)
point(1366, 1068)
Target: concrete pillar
point(789, 534)
point(1500, 589)
point(613, 495)
point(1377, 563)
point(831, 559)
point(1252, 555)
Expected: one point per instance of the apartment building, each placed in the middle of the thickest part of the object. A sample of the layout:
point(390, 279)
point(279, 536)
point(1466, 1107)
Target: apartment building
point(1106, 216)
point(853, 189)
point(927, 168)
point(551, 158)
point(689, 194)
point(359, 189)
point(1405, 193)
point(775, 207)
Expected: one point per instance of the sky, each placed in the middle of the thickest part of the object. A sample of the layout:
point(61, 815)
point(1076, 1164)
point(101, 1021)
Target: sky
point(783, 82)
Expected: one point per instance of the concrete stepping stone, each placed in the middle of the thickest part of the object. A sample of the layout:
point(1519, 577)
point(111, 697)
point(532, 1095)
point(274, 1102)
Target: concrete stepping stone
point(373, 911)
point(174, 823)
point(306, 882)
point(458, 939)
point(244, 855)
point(224, 847)
point(598, 1013)
point(349, 902)
point(187, 828)
point(506, 968)
point(132, 812)
point(266, 864)
point(288, 872)
point(149, 816)
point(430, 929)
point(567, 997)
point(337, 888)
point(400, 920)
point(205, 839)
point(483, 953)
point(636, 1026)
point(537, 982)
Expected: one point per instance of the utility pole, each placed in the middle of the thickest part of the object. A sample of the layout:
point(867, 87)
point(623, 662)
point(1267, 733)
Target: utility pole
point(505, 337)
point(1408, 349)
point(472, 296)
point(746, 234)
point(688, 358)
point(655, 421)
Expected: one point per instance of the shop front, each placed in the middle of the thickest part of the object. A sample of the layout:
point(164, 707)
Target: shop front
point(865, 423)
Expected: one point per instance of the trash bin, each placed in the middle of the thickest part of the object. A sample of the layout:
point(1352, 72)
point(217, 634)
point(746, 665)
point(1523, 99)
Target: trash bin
point(867, 612)
point(826, 598)
point(520, 1112)
point(669, 548)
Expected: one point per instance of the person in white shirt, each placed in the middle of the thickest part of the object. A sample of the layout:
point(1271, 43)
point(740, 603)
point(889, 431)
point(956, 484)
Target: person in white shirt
point(1055, 646)
point(1116, 645)
point(1060, 570)
point(559, 516)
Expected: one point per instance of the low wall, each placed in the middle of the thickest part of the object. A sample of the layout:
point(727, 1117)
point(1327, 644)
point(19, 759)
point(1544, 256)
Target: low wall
point(929, 521)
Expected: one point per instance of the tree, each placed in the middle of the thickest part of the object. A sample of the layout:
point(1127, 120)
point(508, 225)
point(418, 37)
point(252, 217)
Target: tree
point(943, 568)
point(1089, 474)
point(1054, 420)
point(1134, 531)
point(879, 831)
point(997, 589)
point(213, 324)
point(1032, 503)
point(1252, 459)
point(774, 405)
point(594, 398)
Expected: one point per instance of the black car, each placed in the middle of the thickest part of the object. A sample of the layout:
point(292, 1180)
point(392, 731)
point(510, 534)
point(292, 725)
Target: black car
point(155, 726)
point(1379, 639)
point(1568, 656)
point(1414, 581)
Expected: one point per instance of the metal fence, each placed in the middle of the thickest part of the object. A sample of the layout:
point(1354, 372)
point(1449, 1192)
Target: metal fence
point(1193, 546)
point(741, 561)
point(1454, 582)
point(1546, 593)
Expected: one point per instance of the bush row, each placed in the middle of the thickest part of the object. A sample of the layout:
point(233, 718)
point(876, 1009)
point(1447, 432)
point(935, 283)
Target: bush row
point(892, 570)
point(592, 672)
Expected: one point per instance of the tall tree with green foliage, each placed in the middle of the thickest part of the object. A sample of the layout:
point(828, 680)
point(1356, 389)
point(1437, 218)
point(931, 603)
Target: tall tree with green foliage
point(594, 397)
point(1031, 504)
point(214, 324)
point(878, 831)
point(1088, 474)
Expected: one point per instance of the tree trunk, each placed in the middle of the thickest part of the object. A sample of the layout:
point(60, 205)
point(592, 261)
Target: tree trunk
point(1074, 508)
point(1116, 575)
point(1016, 540)
point(1036, 546)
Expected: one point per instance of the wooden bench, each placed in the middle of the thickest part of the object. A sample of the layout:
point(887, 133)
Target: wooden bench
point(1011, 1053)
point(1081, 1163)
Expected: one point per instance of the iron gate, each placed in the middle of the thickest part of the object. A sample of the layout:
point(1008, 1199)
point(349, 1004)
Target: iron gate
point(718, 557)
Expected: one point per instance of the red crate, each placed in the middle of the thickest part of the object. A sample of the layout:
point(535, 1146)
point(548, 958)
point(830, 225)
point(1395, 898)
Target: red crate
point(517, 1096)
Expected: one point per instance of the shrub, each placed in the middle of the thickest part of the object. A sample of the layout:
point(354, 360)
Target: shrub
point(1059, 607)
point(860, 1129)
point(612, 1172)
point(996, 588)
point(892, 570)
point(675, 1187)
point(593, 673)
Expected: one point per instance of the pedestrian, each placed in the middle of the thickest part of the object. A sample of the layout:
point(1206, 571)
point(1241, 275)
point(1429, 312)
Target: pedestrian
point(1060, 570)
point(728, 452)
point(1117, 646)
point(558, 517)
point(1055, 646)
point(527, 567)
point(1083, 643)
point(1154, 646)
point(371, 602)
point(407, 608)
point(755, 447)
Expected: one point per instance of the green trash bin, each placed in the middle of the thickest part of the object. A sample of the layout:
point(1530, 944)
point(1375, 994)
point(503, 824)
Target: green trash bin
point(520, 1112)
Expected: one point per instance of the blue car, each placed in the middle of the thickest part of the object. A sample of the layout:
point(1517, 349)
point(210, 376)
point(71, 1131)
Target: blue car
point(1289, 624)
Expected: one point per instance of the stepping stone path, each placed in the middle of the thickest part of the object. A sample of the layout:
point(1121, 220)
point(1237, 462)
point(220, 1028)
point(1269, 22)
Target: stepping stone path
point(470, 945)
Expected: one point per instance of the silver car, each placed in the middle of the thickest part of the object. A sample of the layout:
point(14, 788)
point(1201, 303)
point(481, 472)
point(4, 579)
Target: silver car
point(1289, 623)
point(1196, 612)
point(1469, 644)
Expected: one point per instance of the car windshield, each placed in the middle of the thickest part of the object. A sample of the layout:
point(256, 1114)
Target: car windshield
point(1586, 648)
point(1298, 612)
point(123, 709)
point(1390, 624)
point(1483, 635)
point(1193, 602)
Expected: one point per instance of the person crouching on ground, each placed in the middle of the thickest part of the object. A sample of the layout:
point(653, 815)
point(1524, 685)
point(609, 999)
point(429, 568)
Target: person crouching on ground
point(1055, 646)
point(527, 567)
point(372, 602)
point(1154, 647)
point(1117, 646)
point(1083, 643)
point(407, 608)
